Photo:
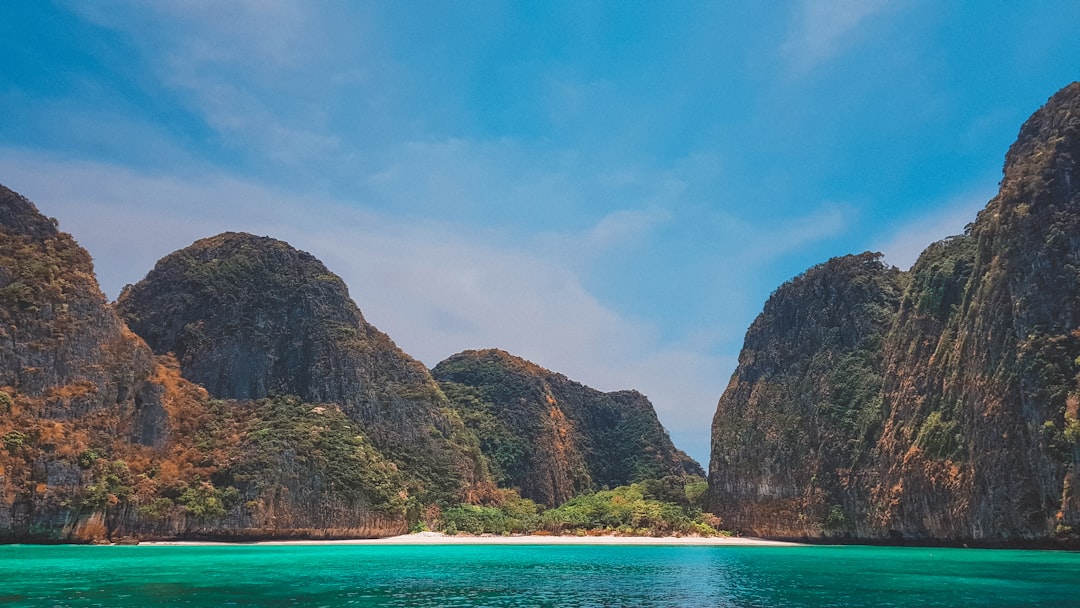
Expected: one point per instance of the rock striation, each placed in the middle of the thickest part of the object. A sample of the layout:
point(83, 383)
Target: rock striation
point(935, 405)
point(553, 438)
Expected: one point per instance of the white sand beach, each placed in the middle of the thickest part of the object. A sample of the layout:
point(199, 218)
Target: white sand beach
point(438, 538)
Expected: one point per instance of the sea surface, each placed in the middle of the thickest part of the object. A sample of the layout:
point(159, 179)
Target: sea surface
point(564, 576)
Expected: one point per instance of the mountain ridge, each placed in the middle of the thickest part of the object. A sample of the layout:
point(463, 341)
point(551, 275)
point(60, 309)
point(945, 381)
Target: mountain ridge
point(315, 424)
point(974, 390)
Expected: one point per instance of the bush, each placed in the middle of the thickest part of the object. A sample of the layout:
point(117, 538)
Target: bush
point(628, 510)
point(477, 520)
point(940, 438)
point(87, 458)
point(205, 502)
point(14, 440)
point(156, 510)
point(631, 510)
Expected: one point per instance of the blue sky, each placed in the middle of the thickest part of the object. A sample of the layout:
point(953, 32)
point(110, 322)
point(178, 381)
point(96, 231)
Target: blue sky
point(610, 190)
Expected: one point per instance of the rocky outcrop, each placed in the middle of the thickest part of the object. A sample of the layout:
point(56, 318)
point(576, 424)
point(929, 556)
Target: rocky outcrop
point(986, 455)
point(791, 431)
point(551, 437)
point(71, 376)
point(62, 348)
point(967, 405)
point(249, 317)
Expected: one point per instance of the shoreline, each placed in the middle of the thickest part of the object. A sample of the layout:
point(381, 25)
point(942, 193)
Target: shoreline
point(438, 538)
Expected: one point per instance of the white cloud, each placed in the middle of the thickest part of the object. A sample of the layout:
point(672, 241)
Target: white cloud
point(903, 245)
point(766, 242)
point(264, 75)
point(265, 36)
point(822, 28)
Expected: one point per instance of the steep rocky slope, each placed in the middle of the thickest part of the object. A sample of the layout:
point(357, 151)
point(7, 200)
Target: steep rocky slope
point(71, 376)
point(100, 440)
point(969, 410)
point(553, 438)
point(792, 427)
point(249, 317)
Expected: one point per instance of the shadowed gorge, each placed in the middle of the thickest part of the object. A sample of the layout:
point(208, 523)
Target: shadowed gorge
point(551, 437)
point(938, 404)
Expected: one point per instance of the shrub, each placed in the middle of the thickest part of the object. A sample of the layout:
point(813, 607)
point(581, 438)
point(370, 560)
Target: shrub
point(87, 458)
point(205, 502)
point(14, 440)
point(630, 510)
point(156, 510)
point(940, 438)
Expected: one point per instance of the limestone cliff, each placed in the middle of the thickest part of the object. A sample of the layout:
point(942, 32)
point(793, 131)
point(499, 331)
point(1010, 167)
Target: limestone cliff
point(791, 431)
point(100, 440)
point(967, 408)
point(71, 376)
point(249, 317)
point(551, 437)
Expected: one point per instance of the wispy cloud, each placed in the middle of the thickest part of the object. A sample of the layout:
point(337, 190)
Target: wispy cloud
point(266, 76)
point(903, 245)
point(822, 28)
point(770, 241)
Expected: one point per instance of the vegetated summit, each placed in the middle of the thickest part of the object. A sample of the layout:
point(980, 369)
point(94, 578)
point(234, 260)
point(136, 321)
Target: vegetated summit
point(935, 405)
point(248, 317)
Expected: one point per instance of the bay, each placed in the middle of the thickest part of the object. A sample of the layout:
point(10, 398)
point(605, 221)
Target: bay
point(497, 576)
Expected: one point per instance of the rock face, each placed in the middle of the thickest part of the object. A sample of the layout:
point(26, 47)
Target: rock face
point(939, 404)
point(71, 375)
point(100, 440)
point(791, 429)
point(61, 345)
point(553, 438)
point(248, 317)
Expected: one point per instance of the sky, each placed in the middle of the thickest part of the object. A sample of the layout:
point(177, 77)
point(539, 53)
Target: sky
point(608, 189)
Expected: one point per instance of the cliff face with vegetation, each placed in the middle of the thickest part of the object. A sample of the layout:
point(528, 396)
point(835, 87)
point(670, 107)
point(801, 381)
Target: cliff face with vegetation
point(71, 374)
point(936, 404)
point(271, 408)
point(249, 317)
point(553, 438)
point(100, 440)
point(794, 424)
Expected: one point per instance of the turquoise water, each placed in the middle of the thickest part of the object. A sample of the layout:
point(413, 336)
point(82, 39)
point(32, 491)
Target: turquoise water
point(575, 576)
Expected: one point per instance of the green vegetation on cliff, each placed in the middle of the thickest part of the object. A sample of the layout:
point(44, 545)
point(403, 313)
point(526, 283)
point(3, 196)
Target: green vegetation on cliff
point(312, 423)
point(804, 407)
point(248, 317)
point(932, 405)
point(552, 438)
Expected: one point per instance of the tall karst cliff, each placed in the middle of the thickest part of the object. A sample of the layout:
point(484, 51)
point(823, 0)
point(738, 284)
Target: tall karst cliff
point(553, 438)
point(71, 375)
point(796, 421)
point(250, 317)
point(947, 409)
point(100, 440)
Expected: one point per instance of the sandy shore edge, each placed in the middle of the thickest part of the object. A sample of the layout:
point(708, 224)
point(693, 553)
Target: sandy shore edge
point(435, 538)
